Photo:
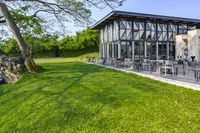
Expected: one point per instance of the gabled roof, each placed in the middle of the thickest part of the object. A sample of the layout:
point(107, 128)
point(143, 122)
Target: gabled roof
point(115, 14)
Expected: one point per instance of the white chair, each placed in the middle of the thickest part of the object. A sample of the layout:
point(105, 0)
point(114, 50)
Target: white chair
point(168, 65)
point(127, 63)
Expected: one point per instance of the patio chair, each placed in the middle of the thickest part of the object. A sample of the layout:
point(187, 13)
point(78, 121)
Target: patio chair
point(181, 65)
point(93, 59)
point(146, 65)
point(168, 65)
point(104, 62)
point(137, 64)
point(87, 59)
point(119, 63)
point(196, 71)
point(107, 61)
point(99, 61)
point(158, 64)
point(127, 63)
point(112, 61)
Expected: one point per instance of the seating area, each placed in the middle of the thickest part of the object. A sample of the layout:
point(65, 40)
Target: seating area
point(179, 70)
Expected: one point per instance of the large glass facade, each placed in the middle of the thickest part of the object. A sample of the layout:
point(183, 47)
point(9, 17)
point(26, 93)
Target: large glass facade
point(152, 39)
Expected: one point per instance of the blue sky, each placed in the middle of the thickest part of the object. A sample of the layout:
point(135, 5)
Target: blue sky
point(178, 8)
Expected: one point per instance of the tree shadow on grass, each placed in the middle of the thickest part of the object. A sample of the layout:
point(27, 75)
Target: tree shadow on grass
point(26, 95)
point(70, 75)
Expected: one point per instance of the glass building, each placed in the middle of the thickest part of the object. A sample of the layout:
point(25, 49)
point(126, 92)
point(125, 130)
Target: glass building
point(141, 36)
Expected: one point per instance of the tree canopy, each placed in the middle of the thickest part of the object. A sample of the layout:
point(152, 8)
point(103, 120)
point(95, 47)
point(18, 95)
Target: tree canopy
point(38, 16)
point(50, 44)
point(32, 15)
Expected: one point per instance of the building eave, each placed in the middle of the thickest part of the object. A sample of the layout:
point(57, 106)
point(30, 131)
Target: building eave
point(115, 14)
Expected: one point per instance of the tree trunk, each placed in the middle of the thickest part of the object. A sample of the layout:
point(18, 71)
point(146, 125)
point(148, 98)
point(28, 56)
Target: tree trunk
point(20, 40)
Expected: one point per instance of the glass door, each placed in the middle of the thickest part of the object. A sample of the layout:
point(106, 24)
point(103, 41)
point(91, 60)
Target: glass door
point(139, 50)
point(172, 51)
point(110, 50)
point(116, 50)
point(151, 50)
point(129, 49)
point(123, 50)
point(162, 50)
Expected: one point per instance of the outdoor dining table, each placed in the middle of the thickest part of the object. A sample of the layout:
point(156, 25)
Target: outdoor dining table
point(154, 63)
point(138, 64)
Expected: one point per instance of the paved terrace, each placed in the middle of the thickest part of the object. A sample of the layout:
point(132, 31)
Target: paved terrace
point(187, 80)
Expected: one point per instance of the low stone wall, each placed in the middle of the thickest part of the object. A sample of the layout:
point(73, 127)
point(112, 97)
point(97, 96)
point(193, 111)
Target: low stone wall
point(11, 68)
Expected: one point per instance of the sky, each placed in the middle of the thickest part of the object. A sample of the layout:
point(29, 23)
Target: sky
point(177, 8)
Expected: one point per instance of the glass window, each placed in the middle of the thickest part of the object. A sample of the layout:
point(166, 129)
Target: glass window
point(116, 50)
point(125, 29)
point(123, 50)
point(129, 51)
point(150, 31)
point(162, 50)
point(172, 51)
point(101, 36)
point(182, 29)
point(105, 51)
point(110, 50)
point(139, 50)
point(138, 30)
point(148, 50)
point(151, 50)
point(115, 31)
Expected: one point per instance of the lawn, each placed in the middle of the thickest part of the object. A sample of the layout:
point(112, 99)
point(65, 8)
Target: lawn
point(71, 96)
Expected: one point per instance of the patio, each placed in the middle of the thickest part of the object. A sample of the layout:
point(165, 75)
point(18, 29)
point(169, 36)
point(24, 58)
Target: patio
point(181, 73)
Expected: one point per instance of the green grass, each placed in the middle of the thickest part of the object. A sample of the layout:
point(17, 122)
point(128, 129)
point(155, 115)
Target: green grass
point(72, 59)
point(70, 96)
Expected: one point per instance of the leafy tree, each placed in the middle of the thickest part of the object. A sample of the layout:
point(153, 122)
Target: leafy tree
point(84, 39)
point(49, 44)
point(62, 10)
point(11, 47)
point(38, 44)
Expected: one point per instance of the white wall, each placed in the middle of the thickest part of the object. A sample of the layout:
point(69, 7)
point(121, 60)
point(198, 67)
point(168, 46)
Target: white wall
point(193, 44)
point(180, 46)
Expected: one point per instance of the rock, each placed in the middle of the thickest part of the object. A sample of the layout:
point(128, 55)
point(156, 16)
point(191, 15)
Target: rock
point(11, 68)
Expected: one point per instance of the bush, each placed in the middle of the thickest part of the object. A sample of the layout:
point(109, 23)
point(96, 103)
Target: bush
point(49, 46)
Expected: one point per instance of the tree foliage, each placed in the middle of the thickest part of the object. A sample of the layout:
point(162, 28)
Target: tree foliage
point(50, 43)
point(27, 23)
point(84, 39)
point(38, 16)
point(35, 10)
